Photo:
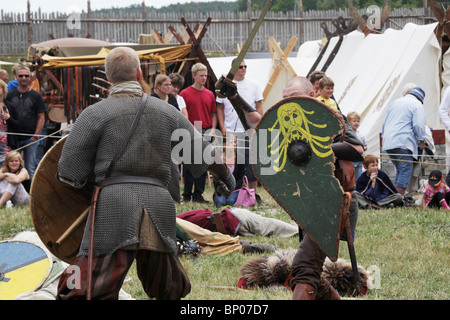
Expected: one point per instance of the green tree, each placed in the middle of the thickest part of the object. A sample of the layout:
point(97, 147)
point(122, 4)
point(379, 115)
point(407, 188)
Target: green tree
point(332, 4)
point(283, 5)
point(287, 5)
point(277, 5)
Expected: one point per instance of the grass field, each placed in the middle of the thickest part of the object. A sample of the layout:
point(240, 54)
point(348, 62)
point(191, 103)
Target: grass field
point(406, 249)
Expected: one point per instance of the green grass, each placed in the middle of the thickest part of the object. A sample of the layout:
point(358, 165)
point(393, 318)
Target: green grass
point(407, 248)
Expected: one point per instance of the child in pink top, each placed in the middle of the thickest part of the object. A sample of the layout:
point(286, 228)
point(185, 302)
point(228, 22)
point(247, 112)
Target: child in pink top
point(436, 193)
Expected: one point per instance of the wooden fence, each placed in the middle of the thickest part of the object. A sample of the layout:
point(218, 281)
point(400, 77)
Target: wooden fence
point(226, 31)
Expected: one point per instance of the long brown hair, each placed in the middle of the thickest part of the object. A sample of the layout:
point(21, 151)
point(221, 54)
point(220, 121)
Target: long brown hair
point(145, 87)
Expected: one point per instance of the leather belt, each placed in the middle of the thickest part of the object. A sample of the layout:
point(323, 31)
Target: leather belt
point(131, 179)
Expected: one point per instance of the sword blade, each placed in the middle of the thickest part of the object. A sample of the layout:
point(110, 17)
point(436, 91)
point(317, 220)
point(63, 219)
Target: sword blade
point(248, 43)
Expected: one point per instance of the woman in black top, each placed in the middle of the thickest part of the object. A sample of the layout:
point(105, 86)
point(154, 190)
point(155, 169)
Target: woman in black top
point(163, 89)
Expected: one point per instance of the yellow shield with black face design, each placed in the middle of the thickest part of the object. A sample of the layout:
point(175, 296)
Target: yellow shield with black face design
point(293, 161)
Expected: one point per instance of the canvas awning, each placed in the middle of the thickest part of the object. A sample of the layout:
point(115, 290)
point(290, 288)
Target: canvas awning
point(159, 54)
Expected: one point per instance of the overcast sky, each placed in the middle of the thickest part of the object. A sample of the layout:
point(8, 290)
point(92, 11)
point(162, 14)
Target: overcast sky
point(64, 6)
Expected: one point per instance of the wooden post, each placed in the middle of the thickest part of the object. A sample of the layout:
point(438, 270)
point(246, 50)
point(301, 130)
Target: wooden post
point(144, 18)
point(29, 27)
point(249, 17)
point(301, 24)
point(89, 22)
point(197, 12)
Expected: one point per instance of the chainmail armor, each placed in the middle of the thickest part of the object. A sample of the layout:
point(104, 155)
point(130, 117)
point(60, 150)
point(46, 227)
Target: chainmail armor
point(90, 147)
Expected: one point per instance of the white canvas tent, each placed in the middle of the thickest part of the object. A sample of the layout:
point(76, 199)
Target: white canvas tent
point(306, 56)
point(370, 72)
point(445, 83)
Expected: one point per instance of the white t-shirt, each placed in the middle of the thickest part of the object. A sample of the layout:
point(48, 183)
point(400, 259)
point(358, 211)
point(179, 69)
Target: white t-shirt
point(181, 102)
point(444, 109)
point(251, 93)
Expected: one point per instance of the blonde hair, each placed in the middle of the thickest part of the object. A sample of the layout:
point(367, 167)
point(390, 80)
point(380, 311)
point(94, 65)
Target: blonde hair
point(4, 87)
point(160, 78)
point(9, 156)
point(121, 64)
point(353, 115)
point(198, 67)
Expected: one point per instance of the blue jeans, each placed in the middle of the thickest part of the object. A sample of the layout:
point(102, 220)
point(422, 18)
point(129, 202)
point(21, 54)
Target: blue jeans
point(224, 201)
point(29, 155)
point(358, 169)
point(404, 167)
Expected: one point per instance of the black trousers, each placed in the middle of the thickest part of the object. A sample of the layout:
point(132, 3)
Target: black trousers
point(190, 181)
point(437, 198)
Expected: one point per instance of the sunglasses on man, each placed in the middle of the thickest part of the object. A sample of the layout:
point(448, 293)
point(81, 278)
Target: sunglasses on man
point(242, 67)
point(24, 75)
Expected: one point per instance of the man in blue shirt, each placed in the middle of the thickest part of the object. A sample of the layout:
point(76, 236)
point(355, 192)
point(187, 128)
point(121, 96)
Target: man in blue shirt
point(403, 134)
point(13, 84)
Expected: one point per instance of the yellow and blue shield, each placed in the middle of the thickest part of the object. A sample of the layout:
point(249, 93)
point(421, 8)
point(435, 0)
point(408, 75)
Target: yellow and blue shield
point(24, 267)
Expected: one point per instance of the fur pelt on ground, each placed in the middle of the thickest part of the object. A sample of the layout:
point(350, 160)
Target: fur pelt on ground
point(275, 270)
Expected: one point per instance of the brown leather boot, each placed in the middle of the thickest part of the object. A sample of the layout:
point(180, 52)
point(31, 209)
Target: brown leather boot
point(303, 291)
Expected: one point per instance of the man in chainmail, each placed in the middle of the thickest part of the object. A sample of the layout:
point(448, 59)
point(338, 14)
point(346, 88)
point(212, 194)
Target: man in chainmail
point(134, 218)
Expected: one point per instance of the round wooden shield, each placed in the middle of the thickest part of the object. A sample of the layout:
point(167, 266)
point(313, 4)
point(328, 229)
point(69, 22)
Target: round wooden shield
point(24, 267)
point(59, 213)
point(294, 162)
